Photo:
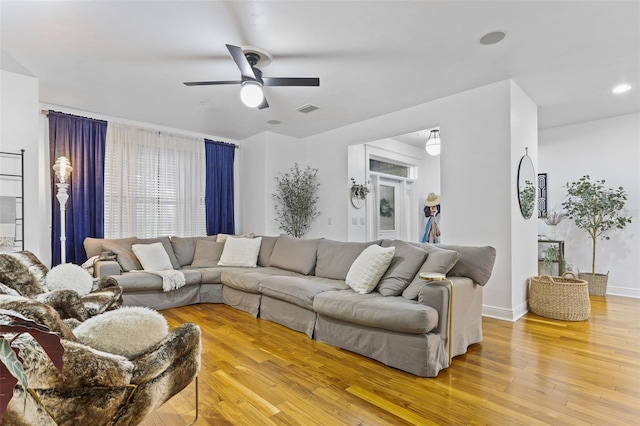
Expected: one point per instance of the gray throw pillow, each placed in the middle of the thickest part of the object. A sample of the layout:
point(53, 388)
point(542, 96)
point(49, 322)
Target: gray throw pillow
point(207, 254)
point(294, 254)
point(406, 262)
point(120, 246)
point(475, 262)
point(185, 248)
point(336, 257)
point(438, 260)
point(266, 249)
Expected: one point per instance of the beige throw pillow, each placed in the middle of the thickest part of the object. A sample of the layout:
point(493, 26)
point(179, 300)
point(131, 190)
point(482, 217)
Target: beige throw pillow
point(240, 252)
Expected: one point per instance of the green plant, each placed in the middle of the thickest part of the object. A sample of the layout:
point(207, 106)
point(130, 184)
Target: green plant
point(12, 326)
point(296, 200)
point(359, 191)
point(550, 256)
point(527, 198)
point(596, 209)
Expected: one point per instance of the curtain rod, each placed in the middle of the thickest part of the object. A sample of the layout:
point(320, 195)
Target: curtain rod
point(46, 113)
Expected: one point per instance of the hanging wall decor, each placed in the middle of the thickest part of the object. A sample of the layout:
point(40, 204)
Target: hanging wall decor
point(542, 195)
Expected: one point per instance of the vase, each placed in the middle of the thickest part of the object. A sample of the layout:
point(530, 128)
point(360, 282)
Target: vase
point(551, 232)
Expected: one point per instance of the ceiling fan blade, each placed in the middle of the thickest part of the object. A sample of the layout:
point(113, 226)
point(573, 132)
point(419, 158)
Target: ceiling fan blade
point(291, 81)
point(209, 83)
point(241, 61)
point(264, 104)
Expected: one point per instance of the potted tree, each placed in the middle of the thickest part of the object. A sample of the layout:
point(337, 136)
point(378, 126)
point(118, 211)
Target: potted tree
point(598, 210)
point(296, 200)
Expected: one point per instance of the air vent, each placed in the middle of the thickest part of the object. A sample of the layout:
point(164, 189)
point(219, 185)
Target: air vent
point(306, 109)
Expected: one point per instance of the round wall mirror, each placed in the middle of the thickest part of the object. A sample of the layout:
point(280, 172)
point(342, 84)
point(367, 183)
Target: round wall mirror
point(526, 187)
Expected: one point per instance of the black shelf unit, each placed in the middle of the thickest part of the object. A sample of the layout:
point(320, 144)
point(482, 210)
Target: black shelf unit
point(19, 178)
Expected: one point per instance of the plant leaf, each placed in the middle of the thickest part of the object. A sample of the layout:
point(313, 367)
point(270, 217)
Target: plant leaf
point(10, 372)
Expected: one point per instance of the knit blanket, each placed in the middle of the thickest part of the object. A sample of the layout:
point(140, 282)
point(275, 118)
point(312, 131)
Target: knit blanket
point(171, 279)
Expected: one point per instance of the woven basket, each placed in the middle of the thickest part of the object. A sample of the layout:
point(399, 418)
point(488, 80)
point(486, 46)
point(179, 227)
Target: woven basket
point(597, 282)
point(560, 298)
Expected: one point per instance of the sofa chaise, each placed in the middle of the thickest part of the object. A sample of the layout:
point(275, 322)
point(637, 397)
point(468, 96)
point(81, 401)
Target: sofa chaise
point(405, 322)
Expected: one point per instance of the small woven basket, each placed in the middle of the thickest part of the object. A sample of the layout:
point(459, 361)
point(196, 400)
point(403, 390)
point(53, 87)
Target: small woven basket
point(560, 298)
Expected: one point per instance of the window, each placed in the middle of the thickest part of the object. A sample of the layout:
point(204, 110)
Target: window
point(154, 183)
point(388, 168)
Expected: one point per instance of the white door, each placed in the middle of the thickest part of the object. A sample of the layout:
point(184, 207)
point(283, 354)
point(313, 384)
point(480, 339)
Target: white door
point(388, 209)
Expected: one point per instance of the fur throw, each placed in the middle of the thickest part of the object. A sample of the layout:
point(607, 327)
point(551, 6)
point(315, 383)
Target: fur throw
point(23, 272)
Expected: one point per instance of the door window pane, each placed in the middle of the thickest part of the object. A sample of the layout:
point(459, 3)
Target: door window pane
point(388, 168)
point(387, 213)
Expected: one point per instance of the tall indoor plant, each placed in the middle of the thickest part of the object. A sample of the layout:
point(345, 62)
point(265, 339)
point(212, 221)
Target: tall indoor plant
point(296, 200)
point(598, 210)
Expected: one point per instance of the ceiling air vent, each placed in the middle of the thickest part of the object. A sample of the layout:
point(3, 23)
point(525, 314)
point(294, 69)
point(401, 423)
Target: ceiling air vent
point(307, 108)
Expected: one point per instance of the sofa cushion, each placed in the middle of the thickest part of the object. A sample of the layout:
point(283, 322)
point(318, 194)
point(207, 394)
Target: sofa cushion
point(406, 262)
point(299, 290)
point(142, 281)
point(366, 271)
point(120, 246)
point(185, 247)
point(294, 254)
point(152, 257)
point(240, 252)
point(166, 243)
point(377, 311)
point(207, 254)
point(438, 260)
point(336, 257)
point(475, 262)
point(266, 249)
point(249, 280)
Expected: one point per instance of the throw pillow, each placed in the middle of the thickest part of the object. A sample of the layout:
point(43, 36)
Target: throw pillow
point(438, 260)
point(69, 277)
point(221, 238)
point(368, 268)
point(166, 243)
point(127, 331)
point(240, 252)
point(152, 257)
point(294, 254)
point(404, 266)
point(121, 247)
point(207, 254)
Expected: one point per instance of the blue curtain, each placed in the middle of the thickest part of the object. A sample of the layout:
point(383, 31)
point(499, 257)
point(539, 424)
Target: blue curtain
point(82, 140)
point(219, 187)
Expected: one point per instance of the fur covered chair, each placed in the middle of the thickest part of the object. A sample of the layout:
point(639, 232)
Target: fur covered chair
point(97, 387)
point(22, 274)
point(120, 364)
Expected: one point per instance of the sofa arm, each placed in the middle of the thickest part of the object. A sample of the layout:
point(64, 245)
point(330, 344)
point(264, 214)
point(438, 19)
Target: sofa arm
point(103, 268)
point(436, 294)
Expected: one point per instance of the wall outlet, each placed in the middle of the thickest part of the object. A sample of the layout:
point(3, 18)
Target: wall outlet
point(363, 221)
point(354, 220)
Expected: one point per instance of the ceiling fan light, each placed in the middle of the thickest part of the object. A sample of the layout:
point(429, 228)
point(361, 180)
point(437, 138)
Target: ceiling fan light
point(251, 94)
point(433, 143)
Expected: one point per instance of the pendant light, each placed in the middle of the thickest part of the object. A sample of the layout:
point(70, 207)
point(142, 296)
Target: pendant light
point(433, 143)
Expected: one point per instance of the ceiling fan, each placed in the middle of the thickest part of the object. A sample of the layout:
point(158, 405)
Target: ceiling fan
point(252, 80)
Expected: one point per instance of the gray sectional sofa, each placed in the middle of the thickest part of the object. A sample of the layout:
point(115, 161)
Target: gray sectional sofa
point(406, 322)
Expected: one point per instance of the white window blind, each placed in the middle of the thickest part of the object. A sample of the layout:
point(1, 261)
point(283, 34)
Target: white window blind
point(154, 183)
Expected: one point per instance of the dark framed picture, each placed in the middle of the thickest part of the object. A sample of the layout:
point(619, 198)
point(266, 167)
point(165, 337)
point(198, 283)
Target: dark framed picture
point(542, 195)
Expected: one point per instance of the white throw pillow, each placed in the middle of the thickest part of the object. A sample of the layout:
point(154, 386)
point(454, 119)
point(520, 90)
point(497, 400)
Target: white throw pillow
point(240, 252)
point(366, 271)
point(69, 277)
point(152, 257)
point(127, 331)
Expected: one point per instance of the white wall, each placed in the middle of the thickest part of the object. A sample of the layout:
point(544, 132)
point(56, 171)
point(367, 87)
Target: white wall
point(19, 129)
point(606, 149)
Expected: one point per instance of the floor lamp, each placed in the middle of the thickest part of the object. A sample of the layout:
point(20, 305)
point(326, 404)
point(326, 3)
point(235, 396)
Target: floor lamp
point(63, 169)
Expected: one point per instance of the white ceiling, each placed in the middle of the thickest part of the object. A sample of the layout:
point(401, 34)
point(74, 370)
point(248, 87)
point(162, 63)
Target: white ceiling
point(129, 58)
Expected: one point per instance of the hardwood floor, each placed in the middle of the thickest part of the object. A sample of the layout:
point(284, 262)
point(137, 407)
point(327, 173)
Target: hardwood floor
point(536, 371)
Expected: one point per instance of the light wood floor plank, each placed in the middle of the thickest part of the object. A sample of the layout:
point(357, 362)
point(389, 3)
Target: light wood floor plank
point(536, 371)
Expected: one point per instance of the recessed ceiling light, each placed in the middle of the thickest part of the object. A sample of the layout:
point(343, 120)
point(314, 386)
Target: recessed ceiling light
point(621, 88)
point(492, 38)
point(274, 122)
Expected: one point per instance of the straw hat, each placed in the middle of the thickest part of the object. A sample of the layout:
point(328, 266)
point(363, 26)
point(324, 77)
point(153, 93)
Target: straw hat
point(432, 200)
